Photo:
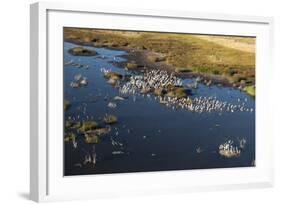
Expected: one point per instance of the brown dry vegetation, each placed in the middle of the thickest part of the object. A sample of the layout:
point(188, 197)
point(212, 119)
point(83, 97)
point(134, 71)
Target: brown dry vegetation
point(230, 57)
point(239, 43)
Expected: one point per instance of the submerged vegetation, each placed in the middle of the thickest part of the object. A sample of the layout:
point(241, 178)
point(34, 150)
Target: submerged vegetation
point(199, 54)
point(66, 105)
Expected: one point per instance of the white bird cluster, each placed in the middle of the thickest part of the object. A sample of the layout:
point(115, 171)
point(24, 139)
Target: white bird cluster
point(228, 150)
point(91, 158)
point(104, 70)
point(112, 105)
point(156, 79)
point(79, 81)
point(151, 80)
point(201, 104)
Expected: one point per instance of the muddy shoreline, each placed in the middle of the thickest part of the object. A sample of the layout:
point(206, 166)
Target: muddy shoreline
point(140, 57)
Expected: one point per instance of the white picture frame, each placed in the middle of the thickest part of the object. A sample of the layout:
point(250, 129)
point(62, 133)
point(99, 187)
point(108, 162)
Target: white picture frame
point(47, 182)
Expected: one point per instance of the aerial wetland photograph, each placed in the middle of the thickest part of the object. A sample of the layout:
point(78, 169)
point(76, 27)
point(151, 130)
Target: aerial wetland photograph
point(143, 101)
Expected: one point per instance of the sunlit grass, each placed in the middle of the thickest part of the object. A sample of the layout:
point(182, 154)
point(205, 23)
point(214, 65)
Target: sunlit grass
point(217, 55)
point(250, 90)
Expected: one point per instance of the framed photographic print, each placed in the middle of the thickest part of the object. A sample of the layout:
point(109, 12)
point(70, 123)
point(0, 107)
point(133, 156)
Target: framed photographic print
point(127, 101)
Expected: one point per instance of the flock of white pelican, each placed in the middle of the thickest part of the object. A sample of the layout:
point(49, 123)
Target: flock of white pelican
point(145, 84)
point(228, 149)
point(79, 81)
point(156, 79)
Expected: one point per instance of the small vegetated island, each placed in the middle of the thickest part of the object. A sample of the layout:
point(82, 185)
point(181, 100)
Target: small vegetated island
point(149, 101)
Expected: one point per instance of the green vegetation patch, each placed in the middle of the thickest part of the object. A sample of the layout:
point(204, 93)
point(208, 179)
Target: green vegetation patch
point(110, 119)
point(177, 92)
point(66, 105)
point(91, 139)
point(250, 90)
point(131, 65)
point(101, 131)
point(88, 125)
point(159, 91)
point(81, 51)
point(112, 75)
point(70, 137)
point(155, 59)
point(72, 124)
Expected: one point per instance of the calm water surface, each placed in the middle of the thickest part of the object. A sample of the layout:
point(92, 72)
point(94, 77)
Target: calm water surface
point(154, 137)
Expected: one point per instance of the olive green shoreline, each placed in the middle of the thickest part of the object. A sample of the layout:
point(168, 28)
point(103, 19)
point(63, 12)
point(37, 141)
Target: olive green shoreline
point(188, 55)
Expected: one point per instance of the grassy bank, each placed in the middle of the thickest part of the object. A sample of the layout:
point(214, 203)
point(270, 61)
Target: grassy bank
point(250, 90)
point(230, 57)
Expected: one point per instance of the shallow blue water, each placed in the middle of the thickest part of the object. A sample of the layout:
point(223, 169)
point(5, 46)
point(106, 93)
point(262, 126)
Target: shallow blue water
point(171, 136)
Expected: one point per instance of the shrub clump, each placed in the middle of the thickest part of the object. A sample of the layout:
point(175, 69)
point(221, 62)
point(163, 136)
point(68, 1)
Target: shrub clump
point(110, 119)
point(131, 65)
point(70, 137)
point(66, 105)
point(91, 139)
point(72, 124)
point(88, 125)
point(156, 59)
point(111, 75)
point(159, 91)
point(177, 92)
point(250, 90)
point(81, 51)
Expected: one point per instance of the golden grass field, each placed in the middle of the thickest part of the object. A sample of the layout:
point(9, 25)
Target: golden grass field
point(228, 56)
point(239, 43)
